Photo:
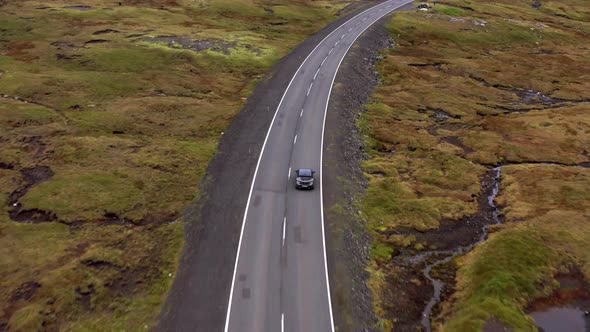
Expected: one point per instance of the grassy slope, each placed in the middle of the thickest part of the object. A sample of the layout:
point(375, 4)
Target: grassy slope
point(446, 109)
point(128, 125)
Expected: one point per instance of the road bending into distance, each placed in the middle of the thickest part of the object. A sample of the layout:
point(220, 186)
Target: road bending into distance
point(280, 280)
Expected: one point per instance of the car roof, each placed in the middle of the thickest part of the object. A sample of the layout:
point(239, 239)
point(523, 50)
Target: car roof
point(304, 172)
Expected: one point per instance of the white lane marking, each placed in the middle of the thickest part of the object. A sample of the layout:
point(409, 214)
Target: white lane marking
point(301, 113)
point(284, 229)
point(338, 42)
point(342, 37)
point(349, 30)
point(308, 90)
point(282, 322)
point(326, 58)
point(289, 174)
point(316, 74)
point(233, 282)
point(322, 173)
point(295, 139)
point(364, 19)
point(331, 50)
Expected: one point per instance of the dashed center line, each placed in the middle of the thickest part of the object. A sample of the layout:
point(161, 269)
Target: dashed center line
point(289, 174)
point(295, 139)
point(301, 114)
point(336, 43)
point(282, 322)
point(326, 58)
point(284, 231)
point(330, 52)
point(342, 37)
point(308, 90)
point(349, 30)
point(364, 19)
point(316, 74)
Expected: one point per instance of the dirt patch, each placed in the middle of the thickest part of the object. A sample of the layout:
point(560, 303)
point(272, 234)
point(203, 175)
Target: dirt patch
point(216, 45)
point(66, 46)
point(81, 8)
point(64, 57)
point(19, 51)
point(456, 141)
point(105, 31)
point(6, 166)
point(96, 41)
point(32, 177)
point(29, 101)
point(84, 295)
point(26, 291)
point(495, 325)
point(438, 113)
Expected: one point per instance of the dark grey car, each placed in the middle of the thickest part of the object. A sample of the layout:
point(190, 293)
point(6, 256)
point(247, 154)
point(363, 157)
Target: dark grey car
point(304, 179)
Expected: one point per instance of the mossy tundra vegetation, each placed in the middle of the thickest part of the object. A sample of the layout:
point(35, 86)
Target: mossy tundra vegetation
point(471, 85)
point(109, 114)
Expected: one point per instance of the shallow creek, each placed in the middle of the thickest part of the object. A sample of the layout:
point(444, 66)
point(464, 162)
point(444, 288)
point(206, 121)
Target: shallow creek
point(445, 256)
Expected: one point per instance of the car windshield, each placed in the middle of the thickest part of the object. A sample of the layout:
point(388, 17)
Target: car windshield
point(305, 172)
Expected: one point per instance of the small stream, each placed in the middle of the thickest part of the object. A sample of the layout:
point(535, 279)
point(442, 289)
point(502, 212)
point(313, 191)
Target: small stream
point(447, 255)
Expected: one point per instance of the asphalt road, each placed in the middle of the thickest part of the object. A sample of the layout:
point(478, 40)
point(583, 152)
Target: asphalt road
point(280, 280)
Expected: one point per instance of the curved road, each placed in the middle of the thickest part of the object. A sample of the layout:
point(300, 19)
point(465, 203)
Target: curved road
point(280, 280)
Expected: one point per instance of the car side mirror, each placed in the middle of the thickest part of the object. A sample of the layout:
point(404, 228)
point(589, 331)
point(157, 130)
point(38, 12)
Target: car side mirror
point(312, 172)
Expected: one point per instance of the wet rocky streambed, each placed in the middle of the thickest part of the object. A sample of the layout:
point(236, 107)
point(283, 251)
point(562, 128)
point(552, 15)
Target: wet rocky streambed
point(491, 188)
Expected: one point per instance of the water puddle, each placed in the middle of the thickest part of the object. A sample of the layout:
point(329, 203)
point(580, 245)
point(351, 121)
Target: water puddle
point(567, 308)
point(559, 319)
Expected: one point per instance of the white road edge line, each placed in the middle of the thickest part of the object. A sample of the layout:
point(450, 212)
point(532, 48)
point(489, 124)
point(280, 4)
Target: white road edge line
point(295, 139)
point(322, 162)
point(283, 322)
point(233, 281)
point(309, 90)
